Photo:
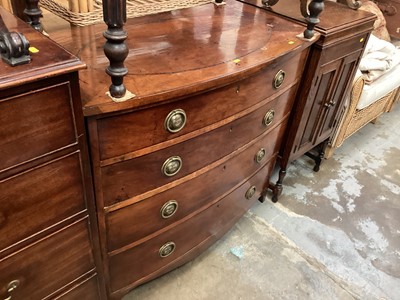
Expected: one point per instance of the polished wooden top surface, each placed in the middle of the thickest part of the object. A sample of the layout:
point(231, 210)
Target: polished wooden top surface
point(51, 60)
point(182, 52)
point(334, 17)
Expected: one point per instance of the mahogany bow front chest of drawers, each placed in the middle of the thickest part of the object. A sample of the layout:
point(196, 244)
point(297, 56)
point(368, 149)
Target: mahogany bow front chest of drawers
point(177, 165)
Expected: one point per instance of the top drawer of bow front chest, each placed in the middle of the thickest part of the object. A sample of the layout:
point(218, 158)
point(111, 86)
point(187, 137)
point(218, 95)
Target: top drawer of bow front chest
point(120, 135)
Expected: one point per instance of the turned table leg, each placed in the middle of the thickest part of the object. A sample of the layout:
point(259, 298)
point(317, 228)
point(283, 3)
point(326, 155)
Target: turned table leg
point(277, 187)
point(115, 48)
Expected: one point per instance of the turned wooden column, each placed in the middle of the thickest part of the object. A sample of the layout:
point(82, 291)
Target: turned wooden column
point(33, 13)
point(314, 9)
point(115, 48)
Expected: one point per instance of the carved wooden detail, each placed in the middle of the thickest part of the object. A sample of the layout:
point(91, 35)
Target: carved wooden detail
point(310, 11)
point(115, 48)
point(33, 13)
point(311, 14)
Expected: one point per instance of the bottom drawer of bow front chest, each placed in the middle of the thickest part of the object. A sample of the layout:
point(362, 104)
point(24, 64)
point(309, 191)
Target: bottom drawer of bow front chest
point(179, 244)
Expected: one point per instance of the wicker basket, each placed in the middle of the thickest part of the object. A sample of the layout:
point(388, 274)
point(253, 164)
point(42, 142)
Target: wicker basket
point(86, 12)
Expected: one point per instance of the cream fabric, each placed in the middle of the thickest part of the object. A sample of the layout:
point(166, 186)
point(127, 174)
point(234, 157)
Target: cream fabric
point(379, 57)
point(380, 87)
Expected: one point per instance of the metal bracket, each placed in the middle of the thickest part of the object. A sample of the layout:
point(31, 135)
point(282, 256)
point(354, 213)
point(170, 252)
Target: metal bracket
point(14, 48)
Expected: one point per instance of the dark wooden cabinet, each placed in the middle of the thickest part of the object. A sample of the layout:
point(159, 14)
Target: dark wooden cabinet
point(330, 70)
point(48, 229)
point(175, 167)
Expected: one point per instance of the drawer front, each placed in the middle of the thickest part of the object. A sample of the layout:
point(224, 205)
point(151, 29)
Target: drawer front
point(132, 177)
point(126, 225)
point(126, 133)
point(39, 198)
point(87, 290)
point(135, 263)
point(47, 265)
point(35, 123)
point(342, 49)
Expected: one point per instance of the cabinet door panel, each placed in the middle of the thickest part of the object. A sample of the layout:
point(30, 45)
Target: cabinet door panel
point(335, 102)
point(323, 88)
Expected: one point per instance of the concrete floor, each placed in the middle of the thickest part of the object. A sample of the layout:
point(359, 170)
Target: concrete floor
point(332, 235)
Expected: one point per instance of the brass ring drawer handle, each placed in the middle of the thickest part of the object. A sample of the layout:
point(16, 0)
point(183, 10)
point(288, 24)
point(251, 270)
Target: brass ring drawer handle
point(169, 209)
point(260, 155)
point(269, 117)
point(11, 287)
point(250, 192)
point(167, 249)
point(172, 166)
point(279, 79)
point(175, 120)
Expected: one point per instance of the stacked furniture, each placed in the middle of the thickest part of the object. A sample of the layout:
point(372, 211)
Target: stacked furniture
point(177, 162)
point(48, 228)
point(371, 94)
point(330, 69)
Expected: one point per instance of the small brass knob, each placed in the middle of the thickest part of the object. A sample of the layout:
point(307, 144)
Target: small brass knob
point(167, 249)
point(169, 209)
point(250, 192)
point(171, 166)
point(269, 117)
point(11, 287)
point(279, 79)
point(175, 120)
point(260, 155)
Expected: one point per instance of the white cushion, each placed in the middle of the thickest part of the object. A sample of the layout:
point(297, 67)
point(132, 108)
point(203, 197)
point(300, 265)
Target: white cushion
point(380, 87)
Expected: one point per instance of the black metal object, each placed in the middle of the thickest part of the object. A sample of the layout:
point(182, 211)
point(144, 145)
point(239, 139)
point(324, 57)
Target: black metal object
point(115, 48)
point(14, 47)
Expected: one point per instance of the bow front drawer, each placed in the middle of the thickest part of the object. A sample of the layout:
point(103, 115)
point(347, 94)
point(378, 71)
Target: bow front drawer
point(121, 181)
point(126, 225)
point(122, 134)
